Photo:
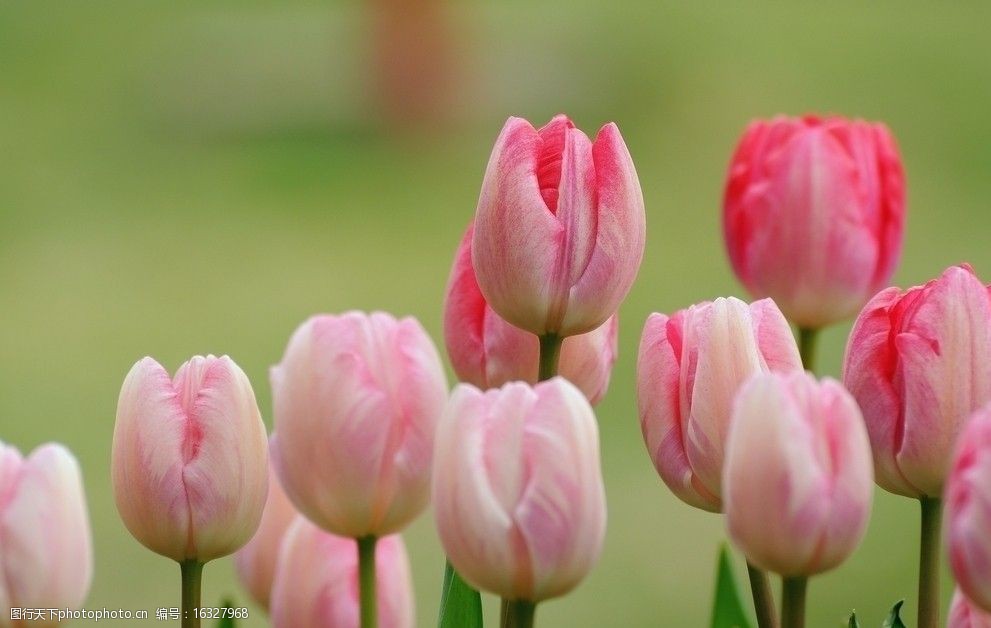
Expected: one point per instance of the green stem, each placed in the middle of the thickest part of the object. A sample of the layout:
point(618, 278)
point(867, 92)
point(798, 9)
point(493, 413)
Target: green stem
point(929, 562)
point(192, 577)
point(366, 581)
point(793, 602)
point(517, 613)
point(807, 337)
point(760, 587)
point(550, 354)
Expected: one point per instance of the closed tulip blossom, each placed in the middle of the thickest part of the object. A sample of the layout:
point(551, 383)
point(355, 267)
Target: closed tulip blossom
point(814, 214)
point(488, 352)
point(316, 581)
point(559, 228)
point(690, 367)
point(518, 493)
point(964, 614)
point(46, 552)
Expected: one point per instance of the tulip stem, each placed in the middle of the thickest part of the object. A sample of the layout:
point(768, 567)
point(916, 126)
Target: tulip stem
point(793, 601)
point(517, 613)
point(929, 562)
point(366, 581)
point(550, 353)
point(807, 337)
point(192, 577)
point(760, 586)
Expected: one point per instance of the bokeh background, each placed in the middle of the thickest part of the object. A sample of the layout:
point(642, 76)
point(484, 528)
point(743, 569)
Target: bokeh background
point(190, 177)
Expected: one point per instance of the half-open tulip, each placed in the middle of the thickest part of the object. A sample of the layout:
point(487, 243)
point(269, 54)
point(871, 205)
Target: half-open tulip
point(814, 214)
point(917, 363)
point(316, 581)
point(518, 492)
point(357, 398)
point(688, 372)
point(190, 458)
point(46, 553)
point(964, 614)
point(797, 480)
point(488, 352)
point(560, 227)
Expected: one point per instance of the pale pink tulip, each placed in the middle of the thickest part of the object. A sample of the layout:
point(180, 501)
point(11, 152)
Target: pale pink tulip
point(487, 352)
point(560, 227)
point(917, 363)
point(963, 613)
point(46, 552)
point(357, 398)
point(689, 369)
point(255, 562)
point(518, 492)
point(814, 214)
point(316, 581)
point(797, 480)
point(190, 460)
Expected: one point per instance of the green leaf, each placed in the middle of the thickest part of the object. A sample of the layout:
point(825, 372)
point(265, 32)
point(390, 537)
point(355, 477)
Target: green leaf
point(853, 623)
point(227, 619)
point(460, 605)
point(893, 620)
point(727, 610)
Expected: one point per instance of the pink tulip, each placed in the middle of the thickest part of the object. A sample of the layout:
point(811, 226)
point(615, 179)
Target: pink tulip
point(963, 614)
point(559, 230)
point(255, 562)
point(917, 363)
point(518, 492)
point(814, 214)
point(487, 352)
point(316, 581)
point(689, 369)
point(46, 553)
point(968, 509)
point(797, 481)
point(357, 398)
point(190, 463)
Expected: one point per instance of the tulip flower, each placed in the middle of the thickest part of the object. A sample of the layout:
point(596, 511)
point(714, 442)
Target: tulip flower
point(488, 352)
point(255, 562)
point(560, 227)
point(316, 581)
point(963, 613)
point(688, 372)
point(518, 493)
point(46, 553)
point(797, 480)
point(814, 214)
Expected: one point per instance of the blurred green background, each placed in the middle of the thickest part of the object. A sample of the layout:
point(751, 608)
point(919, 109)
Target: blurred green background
point(192, 177)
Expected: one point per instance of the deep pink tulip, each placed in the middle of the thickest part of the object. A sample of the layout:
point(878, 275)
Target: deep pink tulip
point(797, 480)
point(814, 214)
point(689, 369)
point(255, 562)
point(190, 458)
point(917, 363)
point(46, 552)
point(518, 492)
point(964, 614)
point(487, 352)
point(316, 581)
point(357, 398)
point(560, 227)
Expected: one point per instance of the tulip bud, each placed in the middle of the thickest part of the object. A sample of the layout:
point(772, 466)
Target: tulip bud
point(560, 227)
point(189, 463)
point(255, 562)
point(46, 553)
point(963, 613)
point(487, 352)
point(688, 372)
point(357, 398)
point(917, 363)
point(316, 580)
point(518, 492)
point(814, 214)
point(797, 480)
